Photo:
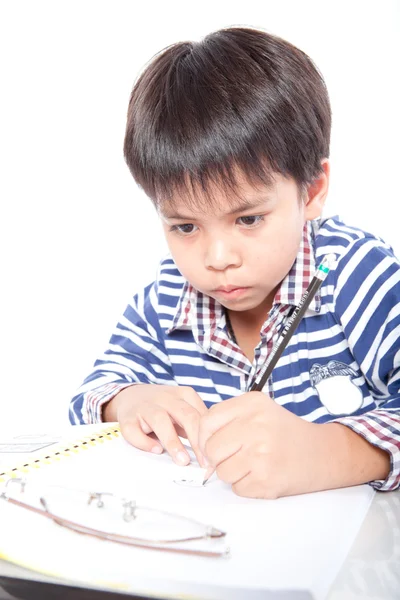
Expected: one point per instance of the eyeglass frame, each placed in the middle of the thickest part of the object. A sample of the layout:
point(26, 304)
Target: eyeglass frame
point(129, 507)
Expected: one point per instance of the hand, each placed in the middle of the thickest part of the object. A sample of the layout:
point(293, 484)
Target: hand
point(152, 416)
point(261, 448)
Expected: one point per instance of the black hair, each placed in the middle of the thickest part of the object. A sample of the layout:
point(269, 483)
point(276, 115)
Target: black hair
point(240, 99)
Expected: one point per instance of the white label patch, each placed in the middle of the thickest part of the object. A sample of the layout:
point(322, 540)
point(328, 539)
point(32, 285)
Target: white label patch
point(339, 395)
point(336, 388)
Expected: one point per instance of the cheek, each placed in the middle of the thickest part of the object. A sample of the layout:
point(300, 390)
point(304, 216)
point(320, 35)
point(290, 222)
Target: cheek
point(184, 257)
point(278, 251)
point(174, 244)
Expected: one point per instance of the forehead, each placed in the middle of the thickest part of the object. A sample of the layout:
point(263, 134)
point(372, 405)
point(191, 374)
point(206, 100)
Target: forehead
point(217, 199)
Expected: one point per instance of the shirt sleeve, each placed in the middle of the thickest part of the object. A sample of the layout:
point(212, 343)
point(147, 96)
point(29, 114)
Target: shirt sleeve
point(135, 355)
point(367, 305)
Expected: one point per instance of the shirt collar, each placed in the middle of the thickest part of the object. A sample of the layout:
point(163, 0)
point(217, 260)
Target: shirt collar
point(299, 277)
point(203, 314)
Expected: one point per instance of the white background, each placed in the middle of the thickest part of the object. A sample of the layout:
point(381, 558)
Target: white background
point(77, 237)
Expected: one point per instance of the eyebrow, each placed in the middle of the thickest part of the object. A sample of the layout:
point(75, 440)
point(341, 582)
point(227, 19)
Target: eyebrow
point(244, 206)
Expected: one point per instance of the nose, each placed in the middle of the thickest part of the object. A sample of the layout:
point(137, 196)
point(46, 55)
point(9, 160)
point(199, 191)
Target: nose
point(221, 253)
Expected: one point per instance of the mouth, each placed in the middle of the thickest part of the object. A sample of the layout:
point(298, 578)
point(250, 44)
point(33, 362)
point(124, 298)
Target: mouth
point(230, 291)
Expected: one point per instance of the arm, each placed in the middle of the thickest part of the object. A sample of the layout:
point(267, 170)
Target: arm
point(133, 384)
point(135, 355)
point(266, 451)
point(371, 322)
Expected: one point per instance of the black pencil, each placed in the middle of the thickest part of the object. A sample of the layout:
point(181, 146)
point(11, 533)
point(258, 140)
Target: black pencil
point(292, 323)
point(289, 329)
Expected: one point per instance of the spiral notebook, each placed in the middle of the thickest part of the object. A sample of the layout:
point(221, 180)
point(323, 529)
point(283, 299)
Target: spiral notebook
point(277, 547)
point(44, 449)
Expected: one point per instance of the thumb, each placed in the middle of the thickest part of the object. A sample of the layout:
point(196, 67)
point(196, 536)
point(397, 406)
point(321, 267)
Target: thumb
point(217, 417)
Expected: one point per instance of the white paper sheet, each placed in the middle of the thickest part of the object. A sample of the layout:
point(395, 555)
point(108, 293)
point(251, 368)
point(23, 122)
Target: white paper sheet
point(296, 543)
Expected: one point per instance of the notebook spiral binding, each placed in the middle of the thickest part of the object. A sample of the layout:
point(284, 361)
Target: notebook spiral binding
point(60, 452)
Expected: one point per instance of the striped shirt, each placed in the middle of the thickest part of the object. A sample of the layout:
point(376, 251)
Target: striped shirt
point(342, 364)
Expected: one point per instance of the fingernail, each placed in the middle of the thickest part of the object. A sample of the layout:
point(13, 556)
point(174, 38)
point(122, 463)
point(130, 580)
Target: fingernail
point(182, 458)
point(157, 450)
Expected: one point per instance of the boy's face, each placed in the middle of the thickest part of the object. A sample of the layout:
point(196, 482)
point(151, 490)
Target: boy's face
point(239, 252)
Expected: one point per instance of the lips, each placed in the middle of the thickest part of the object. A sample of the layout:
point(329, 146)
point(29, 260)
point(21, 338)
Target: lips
point(229, 288)
point(230, 292)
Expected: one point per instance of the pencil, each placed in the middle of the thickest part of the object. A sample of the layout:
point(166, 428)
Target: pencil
point(288, 330)
point(292, 323)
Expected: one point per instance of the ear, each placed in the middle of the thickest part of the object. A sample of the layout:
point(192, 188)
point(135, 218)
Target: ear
point(317, 192)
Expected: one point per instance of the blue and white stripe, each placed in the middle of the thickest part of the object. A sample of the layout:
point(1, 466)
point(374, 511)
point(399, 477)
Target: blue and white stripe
point(172, 335)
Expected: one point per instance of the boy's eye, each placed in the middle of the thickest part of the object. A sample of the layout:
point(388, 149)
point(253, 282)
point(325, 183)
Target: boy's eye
point(250, 220)
point(185, 228)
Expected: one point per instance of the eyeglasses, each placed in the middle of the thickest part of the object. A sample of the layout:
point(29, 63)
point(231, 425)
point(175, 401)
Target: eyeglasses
point(107, 516)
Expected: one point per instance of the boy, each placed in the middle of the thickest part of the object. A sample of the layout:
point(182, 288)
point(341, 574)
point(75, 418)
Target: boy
point(229, 137)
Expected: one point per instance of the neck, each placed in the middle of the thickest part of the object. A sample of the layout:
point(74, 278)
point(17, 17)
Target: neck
point(255, 317)
point(244, 327)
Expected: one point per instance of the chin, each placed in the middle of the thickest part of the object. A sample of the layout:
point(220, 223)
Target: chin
point(240, 305)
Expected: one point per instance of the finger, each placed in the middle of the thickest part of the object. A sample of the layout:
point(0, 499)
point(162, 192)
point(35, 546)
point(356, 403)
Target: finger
point(190, 396)
point(186, 410)
point(225, 442)
point(234, 468)
point(143, 425)
point(251, 487)
point(132, 431)
point(217, 417)
point(180, 431)
point(161, 423)
point(188, 418)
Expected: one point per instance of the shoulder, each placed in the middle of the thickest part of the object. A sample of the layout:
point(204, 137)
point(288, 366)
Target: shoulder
point(167, 285)
point(158, 299)
point(335, 236)
point(165, 292)
point(169, 282)
point(365, 263)
point(349, 244)
point(168, 274)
